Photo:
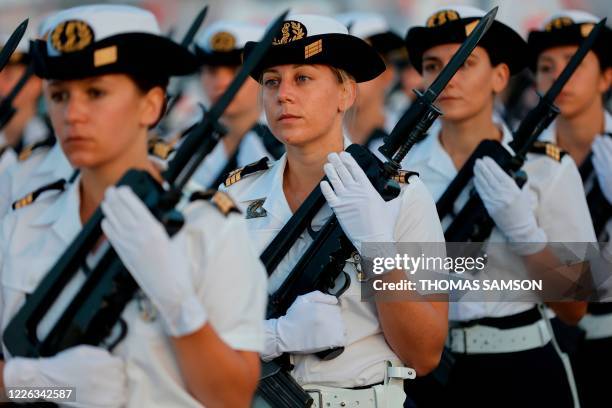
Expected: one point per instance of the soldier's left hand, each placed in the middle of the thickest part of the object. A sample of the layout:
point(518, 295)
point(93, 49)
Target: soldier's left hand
point(363, 214)
point(602, 163)
point(508, 205)
point(159, 264)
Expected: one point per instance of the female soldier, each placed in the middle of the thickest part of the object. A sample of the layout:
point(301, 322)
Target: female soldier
point(308, 83)
point(193, 334)
point(497, 344)
point(219, 50)
point(584, 130)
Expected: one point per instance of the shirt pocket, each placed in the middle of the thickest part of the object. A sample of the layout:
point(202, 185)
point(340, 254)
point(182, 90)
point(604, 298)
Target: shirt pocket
point(24, 274)
point(20, 277)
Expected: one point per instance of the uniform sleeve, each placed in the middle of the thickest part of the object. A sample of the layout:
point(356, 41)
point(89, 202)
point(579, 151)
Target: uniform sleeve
point(3, 240)
point(5, 192)
point(418, 232)
point(563, 212)
point(233, 287)
point(418, 220)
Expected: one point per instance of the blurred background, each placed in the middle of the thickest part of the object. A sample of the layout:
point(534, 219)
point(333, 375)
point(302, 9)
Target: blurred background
point(175, 15)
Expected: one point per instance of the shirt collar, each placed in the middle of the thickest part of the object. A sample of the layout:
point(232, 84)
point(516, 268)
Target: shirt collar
point(63, 214)
point(607, 122)
point(439, 160)
point(550, 133)
point(271, 186)
point(54, 162)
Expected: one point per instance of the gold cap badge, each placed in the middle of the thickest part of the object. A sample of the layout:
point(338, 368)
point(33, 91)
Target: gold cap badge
point(442, 17)
point(222, 42)
point(291, 31)
point(71, 36)
point(558, 23)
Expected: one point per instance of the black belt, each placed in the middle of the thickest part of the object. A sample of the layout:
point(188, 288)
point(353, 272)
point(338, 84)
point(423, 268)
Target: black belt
point(600, 308)
point(363, 387)
point(506, 322)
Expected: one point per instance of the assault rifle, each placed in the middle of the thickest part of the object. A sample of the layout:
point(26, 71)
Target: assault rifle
point(472, 223)
point(96, 308)
point(321, 266)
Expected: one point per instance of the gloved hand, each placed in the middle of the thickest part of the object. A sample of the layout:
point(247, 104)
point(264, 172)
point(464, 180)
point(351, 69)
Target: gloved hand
point(602, 163)
point(313, 323)
point(508, 206)
point(159, 264)
point(363, 214)
point(98, 377)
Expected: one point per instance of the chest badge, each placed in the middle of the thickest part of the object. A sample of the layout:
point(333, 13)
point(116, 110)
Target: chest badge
point(256, 210)
point(148, 312)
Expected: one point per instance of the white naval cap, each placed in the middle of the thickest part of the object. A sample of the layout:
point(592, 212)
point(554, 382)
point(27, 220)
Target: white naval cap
point(374, 29)
point(227, 35)
point(96, 39)
point(452, 24)
point(364, 24)
point(222, 42)
point(569, 17)
point(314, 39)
point(100, 22)
point(570, 27)
point(311, 25)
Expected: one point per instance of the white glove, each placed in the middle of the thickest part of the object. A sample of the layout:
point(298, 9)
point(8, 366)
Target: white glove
point(602, 163)
point(159, 264)
point(508, 206)
point(363, 214)
point(313, 323)
point(98, 378)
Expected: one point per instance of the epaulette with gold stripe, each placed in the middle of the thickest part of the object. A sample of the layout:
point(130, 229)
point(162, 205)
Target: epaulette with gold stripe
point(550, 149)
point(219, 199)
point(160, 148)
point(239, 174)
point(402, 176)
point(27, 151)
point(29, 198)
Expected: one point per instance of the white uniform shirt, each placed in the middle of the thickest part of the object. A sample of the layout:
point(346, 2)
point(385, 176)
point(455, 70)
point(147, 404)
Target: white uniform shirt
point(550, 135)
point(34, 131)
point(251, 149)
point(7, 158)
point(229, 280)
point(556, 196)
point(38, 170)
point(363, 360)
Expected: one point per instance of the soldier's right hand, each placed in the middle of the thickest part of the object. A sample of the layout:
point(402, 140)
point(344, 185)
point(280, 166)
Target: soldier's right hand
point(98, 378)
point(313, 323)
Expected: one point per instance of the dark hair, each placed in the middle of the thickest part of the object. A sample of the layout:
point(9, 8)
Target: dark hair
point(145, 83)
